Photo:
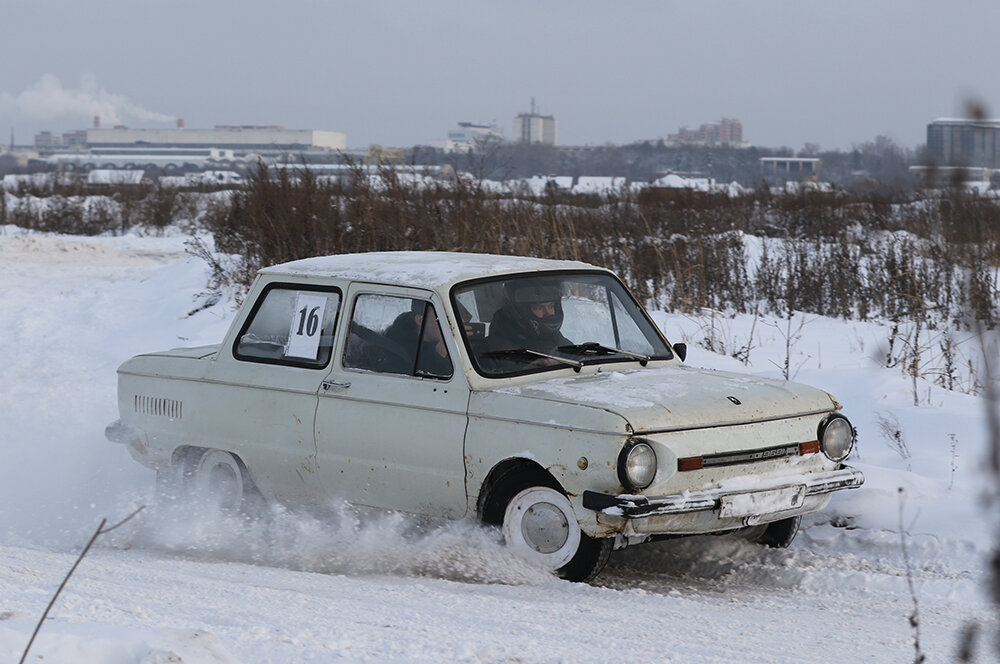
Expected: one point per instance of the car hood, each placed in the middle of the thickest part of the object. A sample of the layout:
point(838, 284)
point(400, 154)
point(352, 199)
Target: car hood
point(680, 397)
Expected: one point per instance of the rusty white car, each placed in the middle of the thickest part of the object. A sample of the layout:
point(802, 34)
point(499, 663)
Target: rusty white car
point(534, 395)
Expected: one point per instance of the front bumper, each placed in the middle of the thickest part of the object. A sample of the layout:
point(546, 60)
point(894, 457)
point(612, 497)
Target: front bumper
point(812, 484)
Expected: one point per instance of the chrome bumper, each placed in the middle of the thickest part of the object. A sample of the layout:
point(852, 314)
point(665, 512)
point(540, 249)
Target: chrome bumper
point(636, 507)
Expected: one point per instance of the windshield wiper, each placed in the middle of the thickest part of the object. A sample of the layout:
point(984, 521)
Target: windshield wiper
point(593, 346)
point(577, 365)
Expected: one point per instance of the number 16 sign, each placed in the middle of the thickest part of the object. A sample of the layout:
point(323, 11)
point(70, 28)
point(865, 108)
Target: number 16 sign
point(307, 324)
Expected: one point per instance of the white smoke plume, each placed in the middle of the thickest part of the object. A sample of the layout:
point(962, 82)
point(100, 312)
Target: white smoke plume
point(49, 100)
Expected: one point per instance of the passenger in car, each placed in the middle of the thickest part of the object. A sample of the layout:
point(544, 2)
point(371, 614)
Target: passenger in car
point(423, 341)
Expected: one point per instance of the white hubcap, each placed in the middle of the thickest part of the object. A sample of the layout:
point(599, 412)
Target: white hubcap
point(540, 525)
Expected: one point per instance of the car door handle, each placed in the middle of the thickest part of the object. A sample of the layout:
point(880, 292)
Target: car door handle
point(332, 384)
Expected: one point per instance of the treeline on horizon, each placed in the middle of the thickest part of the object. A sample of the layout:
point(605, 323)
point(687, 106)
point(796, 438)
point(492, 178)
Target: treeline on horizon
point(867, 166)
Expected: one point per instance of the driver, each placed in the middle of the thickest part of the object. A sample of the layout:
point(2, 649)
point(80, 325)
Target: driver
point(530, 317)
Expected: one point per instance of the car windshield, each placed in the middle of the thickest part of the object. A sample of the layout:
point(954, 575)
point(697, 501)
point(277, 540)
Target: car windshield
point(523, 324)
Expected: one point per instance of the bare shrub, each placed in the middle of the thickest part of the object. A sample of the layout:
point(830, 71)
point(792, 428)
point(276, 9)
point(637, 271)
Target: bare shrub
point(892, 433)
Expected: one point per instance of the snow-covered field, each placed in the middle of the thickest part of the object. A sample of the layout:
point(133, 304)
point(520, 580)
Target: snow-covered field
point(180, 585)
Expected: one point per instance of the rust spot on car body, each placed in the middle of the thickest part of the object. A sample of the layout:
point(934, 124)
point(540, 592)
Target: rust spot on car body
point(608, 529)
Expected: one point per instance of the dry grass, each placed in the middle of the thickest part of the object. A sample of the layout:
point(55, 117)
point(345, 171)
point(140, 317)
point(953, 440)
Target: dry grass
point(829, 253)
point(875, 254)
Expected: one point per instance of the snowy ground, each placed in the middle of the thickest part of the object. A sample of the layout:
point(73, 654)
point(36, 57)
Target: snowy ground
point(178, 585)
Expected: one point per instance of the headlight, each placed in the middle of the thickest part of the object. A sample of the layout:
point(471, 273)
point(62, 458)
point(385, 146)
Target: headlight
point(636, 465)
point(836, 437)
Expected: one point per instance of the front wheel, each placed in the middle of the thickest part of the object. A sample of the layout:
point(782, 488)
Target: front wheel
point(777, 535)
point(540, 525)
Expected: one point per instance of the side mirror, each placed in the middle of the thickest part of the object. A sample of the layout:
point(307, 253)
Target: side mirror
point(681, 350)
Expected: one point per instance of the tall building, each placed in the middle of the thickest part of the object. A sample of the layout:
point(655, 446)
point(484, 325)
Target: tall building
point(968, 143)
point(534, 128)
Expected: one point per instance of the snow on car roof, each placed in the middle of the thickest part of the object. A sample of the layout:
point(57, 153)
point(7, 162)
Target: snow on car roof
point(422, 269)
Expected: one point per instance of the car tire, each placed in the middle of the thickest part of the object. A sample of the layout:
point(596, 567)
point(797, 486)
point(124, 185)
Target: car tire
point(219, 478)
point(778, 534)
point(538, 522)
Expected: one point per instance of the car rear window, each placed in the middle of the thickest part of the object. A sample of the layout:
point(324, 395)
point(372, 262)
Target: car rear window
point(290, 325)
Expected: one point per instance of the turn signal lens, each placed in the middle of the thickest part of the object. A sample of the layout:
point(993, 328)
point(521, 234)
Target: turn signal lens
point(811, 447)
point(690, 463)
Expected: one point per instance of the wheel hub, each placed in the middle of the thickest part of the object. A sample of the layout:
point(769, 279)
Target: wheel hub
point(545, 527)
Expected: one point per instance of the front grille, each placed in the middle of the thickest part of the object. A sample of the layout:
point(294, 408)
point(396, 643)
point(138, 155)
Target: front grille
point(747, 456)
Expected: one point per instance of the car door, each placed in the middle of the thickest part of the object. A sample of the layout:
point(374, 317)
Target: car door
point(259, 397)
point(391, 419)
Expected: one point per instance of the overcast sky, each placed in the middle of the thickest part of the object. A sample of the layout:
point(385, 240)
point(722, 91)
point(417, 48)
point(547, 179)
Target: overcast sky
point(403, 73)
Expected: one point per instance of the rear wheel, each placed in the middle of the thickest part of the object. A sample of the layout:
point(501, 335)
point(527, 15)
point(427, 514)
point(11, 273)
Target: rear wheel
point(539, 524)
point(212, 477)
point(218, 477)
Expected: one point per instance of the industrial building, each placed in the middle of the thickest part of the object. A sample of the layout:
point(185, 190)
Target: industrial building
point(241, 139)
point(964, 143)
point(181, 149)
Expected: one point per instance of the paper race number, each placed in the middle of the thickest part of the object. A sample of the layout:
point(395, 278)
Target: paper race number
point(306, 327)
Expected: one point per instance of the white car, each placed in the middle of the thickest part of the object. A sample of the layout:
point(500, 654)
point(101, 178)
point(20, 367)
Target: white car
point(535, 395)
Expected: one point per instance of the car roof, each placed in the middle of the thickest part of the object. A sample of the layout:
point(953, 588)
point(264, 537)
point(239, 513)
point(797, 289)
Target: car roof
point(421, 269)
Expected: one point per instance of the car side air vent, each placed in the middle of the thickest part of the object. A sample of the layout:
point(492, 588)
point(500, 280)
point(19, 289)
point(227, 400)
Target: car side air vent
point(158, 406)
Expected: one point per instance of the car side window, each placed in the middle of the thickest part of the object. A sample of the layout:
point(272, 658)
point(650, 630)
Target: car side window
point(290, 325)
point(397, 335)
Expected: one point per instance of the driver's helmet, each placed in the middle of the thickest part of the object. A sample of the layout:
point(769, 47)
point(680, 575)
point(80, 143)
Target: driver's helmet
point(525, 296)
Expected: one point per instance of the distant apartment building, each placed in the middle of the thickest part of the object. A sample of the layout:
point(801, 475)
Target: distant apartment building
point(727, 131)
point(534, 128)
point(965, 143)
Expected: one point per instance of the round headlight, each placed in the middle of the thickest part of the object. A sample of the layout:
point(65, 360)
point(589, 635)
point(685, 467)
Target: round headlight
point(637, 465)
point(836, 437)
